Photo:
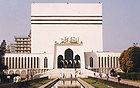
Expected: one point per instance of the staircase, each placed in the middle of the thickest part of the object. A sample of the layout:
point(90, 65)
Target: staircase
point(70, 73)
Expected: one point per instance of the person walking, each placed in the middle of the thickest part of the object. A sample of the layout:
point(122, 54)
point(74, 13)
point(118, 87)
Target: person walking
point(100, 75)
point(119, 78)
point(107, 77)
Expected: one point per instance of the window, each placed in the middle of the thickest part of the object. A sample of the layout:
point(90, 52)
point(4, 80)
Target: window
point(102, 61)
point(31, 62)
point(108, 61)
point(91, 62)
point(25, 62)
point(9, 62)
point(99, 62)
point(114, 62)
point(13, 62)
point(16, 63)
point(111, 62)
point(37, 62)
point(34, 62)
point(22, 62)
point(105, 61)
point(45, 62)
point(19, 62)
point(28, 62)
point(117, 61)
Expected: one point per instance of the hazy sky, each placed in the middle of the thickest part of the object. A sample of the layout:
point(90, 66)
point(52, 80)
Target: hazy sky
point(121, 21)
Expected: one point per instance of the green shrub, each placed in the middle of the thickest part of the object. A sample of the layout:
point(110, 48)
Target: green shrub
point(131, 76)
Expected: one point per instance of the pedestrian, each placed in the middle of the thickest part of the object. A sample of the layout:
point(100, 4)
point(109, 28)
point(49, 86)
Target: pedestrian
point(119, 78)
point(100, 75)
point(71, 75)
point(94, 74)
point(14, 80)
point(107, 77)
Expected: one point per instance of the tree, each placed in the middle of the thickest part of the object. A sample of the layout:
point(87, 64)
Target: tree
point(129, 59)
point(2, 66)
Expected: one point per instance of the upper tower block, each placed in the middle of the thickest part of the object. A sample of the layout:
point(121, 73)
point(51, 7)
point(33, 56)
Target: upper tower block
point(88, 9)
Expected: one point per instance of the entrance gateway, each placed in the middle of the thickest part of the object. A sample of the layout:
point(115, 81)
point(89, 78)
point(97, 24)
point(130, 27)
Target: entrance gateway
point(69, 54)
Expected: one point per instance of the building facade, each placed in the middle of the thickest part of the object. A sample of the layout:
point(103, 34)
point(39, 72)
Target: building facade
point(64, 36)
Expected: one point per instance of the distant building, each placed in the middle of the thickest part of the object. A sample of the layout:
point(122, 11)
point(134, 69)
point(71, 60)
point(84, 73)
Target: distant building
point(11, 48)
point(22, 44)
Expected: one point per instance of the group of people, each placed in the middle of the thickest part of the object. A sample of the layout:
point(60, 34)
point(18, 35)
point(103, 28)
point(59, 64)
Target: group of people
point(107, 77)
point(16, 79)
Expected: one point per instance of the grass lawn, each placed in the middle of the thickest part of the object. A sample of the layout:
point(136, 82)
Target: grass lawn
point(38, 84)
point(95, 84)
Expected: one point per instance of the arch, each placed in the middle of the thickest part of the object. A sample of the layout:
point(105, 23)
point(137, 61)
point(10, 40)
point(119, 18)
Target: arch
point(11, 72)
point(77, 57)
point(23, 74)
point(91, 62)
point(77, 61)
point(68, 54)
point(6, 71)
point(17, 72)
point(69, 57)
point(59, 61)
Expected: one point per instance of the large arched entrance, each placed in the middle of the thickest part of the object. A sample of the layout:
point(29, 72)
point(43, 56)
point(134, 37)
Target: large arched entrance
point(68, 61)
point(69, 57)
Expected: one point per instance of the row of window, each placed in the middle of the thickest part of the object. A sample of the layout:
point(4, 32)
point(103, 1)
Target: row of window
point(22, 62)
point(23, 51)
point(24, 48)
point(18, 39)
point(23, 45)
point(23, 42)
point(108, 62)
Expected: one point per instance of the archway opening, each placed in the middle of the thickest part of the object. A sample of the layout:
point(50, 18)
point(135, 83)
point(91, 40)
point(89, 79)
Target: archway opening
point(91, 62)
point(77, 61)
point(60, 61)
point(69, 57)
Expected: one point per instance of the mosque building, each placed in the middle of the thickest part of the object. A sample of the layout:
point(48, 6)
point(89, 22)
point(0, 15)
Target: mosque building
point(64, 37)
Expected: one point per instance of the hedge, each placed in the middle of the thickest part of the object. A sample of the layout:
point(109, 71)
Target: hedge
point(131, 76)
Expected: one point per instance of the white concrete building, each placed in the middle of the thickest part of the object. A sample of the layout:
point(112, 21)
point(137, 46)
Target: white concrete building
point(64, 37)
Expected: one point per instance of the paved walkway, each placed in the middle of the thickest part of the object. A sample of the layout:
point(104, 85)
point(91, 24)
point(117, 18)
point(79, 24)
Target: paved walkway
point(125, 82)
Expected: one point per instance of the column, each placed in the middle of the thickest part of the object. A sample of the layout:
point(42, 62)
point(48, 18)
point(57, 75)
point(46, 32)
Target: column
point(36, 62)
point(21, 62)
point(115, 62)
point(8, 62)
